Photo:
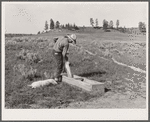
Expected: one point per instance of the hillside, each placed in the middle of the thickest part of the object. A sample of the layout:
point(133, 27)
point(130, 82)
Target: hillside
point(29, 58)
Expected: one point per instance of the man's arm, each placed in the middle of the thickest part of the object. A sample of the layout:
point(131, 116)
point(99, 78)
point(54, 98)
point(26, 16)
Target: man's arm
point(65, 52)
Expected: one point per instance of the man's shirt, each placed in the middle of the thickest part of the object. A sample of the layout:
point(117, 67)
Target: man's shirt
point(61, 45)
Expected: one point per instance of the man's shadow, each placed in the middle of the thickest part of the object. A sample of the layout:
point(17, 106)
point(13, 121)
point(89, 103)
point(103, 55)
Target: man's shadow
point(98, 73)
point(90, 74)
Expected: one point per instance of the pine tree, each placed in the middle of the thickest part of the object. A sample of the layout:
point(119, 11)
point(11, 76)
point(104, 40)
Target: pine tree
point(142, 27)
point(105, 24)
point(111, 24)
point(46, 26)
point(92, 22)
point(57, 24)
point(96, 23)
point(52, 24)
point(38, 32)
point(68, 26)
point(117, 24)
point(74, 25)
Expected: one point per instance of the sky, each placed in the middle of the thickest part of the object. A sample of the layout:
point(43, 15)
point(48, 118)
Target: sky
point(30, 17)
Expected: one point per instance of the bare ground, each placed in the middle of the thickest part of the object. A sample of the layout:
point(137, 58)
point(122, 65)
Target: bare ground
point(111, 100)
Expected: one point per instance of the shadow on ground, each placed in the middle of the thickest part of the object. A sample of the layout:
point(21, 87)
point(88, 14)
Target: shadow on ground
point(99, 73)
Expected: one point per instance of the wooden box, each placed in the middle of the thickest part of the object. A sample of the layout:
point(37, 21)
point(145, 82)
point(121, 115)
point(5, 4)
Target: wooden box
point(84, 83)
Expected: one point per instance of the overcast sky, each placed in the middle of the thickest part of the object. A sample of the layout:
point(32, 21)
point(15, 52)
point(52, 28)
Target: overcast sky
point(30, 17)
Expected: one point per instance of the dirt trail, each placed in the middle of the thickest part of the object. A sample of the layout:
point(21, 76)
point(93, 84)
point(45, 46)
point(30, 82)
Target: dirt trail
point(132, 67)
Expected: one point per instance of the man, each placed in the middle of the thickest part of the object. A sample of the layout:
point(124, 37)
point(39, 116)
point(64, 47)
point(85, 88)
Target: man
point(60, 48)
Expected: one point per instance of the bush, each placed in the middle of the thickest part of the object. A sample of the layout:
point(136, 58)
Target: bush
point(33, 57)
point(27, 73)
point(11, 42)
point(21, 100)
point(107, 54)
point(22, 54)
point(30, 57)
point(17, 39)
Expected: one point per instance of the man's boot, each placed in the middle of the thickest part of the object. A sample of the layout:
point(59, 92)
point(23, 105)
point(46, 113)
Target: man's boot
point(60, 79)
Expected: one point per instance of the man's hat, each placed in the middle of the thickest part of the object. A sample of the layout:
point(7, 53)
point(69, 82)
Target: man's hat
point(73, 37)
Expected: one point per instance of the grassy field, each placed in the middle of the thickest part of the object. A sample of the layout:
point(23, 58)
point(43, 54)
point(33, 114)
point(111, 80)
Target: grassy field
point(29, 58)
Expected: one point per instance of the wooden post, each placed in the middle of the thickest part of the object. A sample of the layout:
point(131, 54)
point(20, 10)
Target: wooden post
point(68, 69)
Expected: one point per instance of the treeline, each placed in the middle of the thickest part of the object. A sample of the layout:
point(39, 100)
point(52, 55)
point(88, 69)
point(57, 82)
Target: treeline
point(105, 24)
point(110, 25)
point(56, 25)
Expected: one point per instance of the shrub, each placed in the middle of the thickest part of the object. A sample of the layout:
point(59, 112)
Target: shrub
point(11, 42)
point(33, 57)
point(107, 53)
point(27, 73)
point(41, 39)
point(30, 57)
point(20, 68)
point(22, 54)
point(31, 73)
point(20, 100)
point(47, 75)
point(45, 45)
point(31, 38)
point(17, 39)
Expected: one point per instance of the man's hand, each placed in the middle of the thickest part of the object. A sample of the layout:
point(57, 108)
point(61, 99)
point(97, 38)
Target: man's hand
point(65, 57)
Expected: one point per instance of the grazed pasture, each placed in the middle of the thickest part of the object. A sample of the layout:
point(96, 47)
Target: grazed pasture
point(29, 58)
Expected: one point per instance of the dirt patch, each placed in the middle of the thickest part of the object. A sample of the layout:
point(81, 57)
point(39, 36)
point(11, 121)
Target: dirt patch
point(110, 100)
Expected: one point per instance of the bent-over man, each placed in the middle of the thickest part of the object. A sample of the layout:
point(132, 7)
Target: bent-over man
point(60, 48)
